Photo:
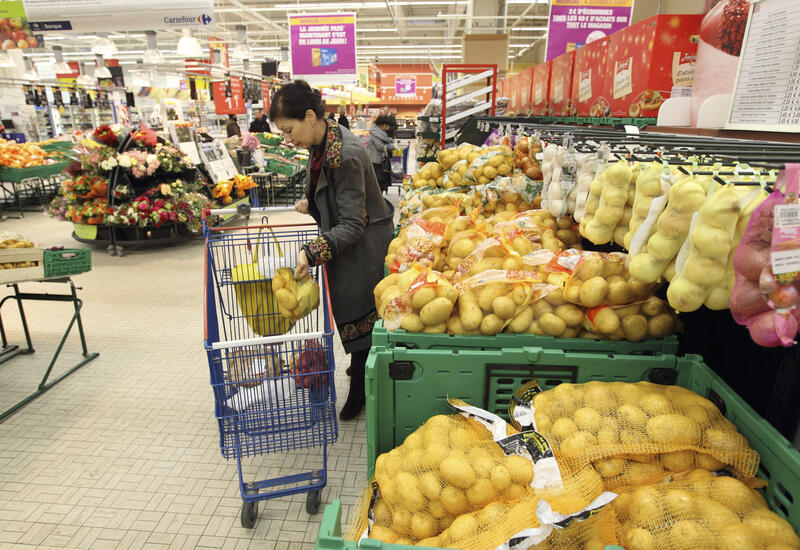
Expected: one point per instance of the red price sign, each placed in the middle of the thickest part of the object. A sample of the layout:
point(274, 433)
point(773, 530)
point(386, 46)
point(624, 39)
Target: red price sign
point(265, 95)
point(229, 100)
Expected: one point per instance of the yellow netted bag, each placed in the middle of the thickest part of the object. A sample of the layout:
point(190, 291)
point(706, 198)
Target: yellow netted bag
point(700, 511)
point(418, 300)
point(586, 423)
point(421, 241)
point(535, 222)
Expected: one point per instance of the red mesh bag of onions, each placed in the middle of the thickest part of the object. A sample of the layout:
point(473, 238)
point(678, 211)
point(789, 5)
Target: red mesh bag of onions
point(766, 297)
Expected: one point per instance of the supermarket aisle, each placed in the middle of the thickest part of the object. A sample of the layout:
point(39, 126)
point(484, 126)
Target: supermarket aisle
point(125, 452)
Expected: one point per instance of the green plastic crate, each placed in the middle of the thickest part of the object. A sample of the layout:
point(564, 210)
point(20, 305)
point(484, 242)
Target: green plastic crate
point(16, 175)
point(418, 340)
point(395, 407)
point(70, 261)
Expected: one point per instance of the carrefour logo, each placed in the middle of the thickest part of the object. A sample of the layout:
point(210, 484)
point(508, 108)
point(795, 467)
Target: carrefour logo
point(203, 19)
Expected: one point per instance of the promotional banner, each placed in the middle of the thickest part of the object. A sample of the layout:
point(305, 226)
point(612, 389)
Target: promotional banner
point(574, 23)
point(323, 45)
point(405, 85)
point(15, 32)
point(229, 99)
point(118, 15)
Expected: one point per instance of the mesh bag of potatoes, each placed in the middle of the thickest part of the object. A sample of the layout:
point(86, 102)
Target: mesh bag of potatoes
point(439, 197)
point(420, 240)
point(492, 162)
point(489, 253)
point(587, 423)
point(449, 157)
point(508, 194)
point(650, 318)
point(471, 481)
point(492, 300)
point(430, 175)
point(464, 243)
point(700, 511)
point(454, 177)
point(595, 278)
point(536, 226)
point(418, 300)
point(441, 214)
point(410, 203)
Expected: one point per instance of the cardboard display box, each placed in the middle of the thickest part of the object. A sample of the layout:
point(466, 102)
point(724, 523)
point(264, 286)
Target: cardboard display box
point(540, 90)
point(588, 79)
point(647, 60)
point(561, 85)
point(17, 255)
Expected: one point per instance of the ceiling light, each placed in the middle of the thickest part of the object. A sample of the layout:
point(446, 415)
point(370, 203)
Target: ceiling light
point(241, 50)
point(528, 29)
point(140, 77)
point(188, 46)
point(151, 55)
point(7, 61)
point(60, 67)
point(393, 29)
point(30, 71)
point(103, 46)
point(101, 71)
point(84, 79)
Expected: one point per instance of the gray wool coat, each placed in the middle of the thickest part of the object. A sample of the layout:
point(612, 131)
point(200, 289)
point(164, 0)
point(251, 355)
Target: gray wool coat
point(356, 227)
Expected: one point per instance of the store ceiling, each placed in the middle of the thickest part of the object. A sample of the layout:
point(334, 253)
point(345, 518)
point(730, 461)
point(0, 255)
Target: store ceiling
point(389, 31)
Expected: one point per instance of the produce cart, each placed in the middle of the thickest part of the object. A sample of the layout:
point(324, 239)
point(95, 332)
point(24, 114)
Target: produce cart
point(273, 387)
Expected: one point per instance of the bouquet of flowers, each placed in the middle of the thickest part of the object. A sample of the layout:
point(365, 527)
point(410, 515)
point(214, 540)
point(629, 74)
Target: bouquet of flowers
point(86, 187)
point(140, 163)
point(58, 207)
point(108, 135)
point(172, 159)
point(145, 136)
point(92, 212)
point(250, 142)
point(190, 210)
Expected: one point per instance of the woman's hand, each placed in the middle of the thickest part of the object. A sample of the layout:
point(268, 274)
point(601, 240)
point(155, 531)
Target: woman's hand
point(301, 270)
point(302, 207)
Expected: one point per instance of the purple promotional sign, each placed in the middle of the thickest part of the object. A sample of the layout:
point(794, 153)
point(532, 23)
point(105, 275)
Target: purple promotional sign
point(405, 85)
point(323, 44)
point(574, 23)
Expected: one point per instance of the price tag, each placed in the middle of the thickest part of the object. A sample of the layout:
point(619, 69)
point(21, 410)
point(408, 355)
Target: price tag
point(787, 215)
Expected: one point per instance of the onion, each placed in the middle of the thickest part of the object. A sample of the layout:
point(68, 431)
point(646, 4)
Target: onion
point(749, 260)
point(747, 300)
point(785, 296)
point(770, 330)
point(766, 281)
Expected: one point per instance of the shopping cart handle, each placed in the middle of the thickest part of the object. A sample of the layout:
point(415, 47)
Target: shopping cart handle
point(266, 210)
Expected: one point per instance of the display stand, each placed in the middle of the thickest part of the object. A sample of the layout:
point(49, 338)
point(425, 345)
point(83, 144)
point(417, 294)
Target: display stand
point(473, 75)
point(9, 351)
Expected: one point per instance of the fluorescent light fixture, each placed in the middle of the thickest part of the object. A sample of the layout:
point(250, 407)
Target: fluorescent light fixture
point(7, 61)
point(152, 56)
point(528, 29)
point(188, 46)
point(241, 50)
point(101, 71)
point(140, 77)
point(60, 66)
point(393, 29)
point(103, 46)
point(84, 79)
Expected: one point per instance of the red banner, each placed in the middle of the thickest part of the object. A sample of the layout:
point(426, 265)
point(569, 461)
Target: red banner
point(229, 104)
point(265, 95)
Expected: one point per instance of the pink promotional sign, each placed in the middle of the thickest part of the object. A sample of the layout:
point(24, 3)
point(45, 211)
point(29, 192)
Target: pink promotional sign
point(323, 44)
point(405, 85)
point(574, 23)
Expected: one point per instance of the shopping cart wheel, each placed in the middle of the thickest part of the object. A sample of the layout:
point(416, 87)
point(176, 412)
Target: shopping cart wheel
point(249, 514)
point(313, 499)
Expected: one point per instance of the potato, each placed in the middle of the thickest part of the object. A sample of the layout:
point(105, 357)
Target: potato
point(572, 293)
point(468, 312)
point(635, 328)
point(606, 321)
point(652, 306)
point(454, 500)
point(422, 296)
point(504, 307)
point(588, 269)
point(587, 419)
point(436, 311)
point(610, 467)
point(552, 324)
point(521, 470)
point(619, 292)
point(456, 471)
point(441, 328)
point(488, 293)
point(661, 325)
point(673, 429)
point(678, 461)
point(463, 527)
point(555, 298)
point(412, 323)
point(481, 493)
point(593, 292)
point(521, 322)
point(409, 491)
point(571, 315)
point(423, 525)
point(491, 324)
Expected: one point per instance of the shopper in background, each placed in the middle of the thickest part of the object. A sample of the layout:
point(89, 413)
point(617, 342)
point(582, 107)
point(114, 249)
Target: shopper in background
point(379, 146)
point(342, 195)
point(392, 131)
point(232, 126)
point(343, 119)
point(332, 116)
point(259, 123)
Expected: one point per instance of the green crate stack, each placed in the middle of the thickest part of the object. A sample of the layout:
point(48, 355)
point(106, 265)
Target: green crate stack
point(70, 261)
point(406, 387)
point(16, 175)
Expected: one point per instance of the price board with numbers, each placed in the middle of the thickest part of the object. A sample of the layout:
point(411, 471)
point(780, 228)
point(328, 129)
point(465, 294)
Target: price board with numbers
point(767, 92)
point(229, 97)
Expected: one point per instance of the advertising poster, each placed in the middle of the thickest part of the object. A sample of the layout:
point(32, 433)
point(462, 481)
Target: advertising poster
point(15, 32)
point(323, 45)
point(405, 85)
point(574, 23)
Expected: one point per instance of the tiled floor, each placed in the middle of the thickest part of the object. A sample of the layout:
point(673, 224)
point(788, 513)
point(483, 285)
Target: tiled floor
point(125, 452)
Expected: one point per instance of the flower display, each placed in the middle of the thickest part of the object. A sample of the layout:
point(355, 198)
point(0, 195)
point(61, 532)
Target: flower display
point(172, 159)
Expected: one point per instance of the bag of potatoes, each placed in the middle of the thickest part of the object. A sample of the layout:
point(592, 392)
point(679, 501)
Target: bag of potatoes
point(489, 253)
point(586, 423)
point(454, 177)
point(533, 221)
point(700, 511)
point(418, 300)
point(509, 194)
point(650, 318)
point(493, 162)
point(420, 240)
point(491, 300)
point(430, 175)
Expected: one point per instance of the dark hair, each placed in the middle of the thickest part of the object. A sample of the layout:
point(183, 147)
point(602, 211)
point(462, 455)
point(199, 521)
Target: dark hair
point(231, 115)
point(383, 119)
point(293, 99)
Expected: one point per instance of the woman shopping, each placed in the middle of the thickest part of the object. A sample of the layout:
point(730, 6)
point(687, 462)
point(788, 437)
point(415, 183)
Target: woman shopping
point(379, 146)
point(342, 195)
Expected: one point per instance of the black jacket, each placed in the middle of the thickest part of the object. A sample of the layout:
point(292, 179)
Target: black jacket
point(259, 124)
point(344, 122)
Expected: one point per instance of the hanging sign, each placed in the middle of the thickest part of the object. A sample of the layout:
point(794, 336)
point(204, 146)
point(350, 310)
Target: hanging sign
point(229, 97)
point(405, 85)
point(15, 31)
point(118, 15)
point(574, 23)
point(767, 91)
point(323, 45)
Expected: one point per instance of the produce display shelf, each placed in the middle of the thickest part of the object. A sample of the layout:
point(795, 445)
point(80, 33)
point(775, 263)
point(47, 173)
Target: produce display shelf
point(428, 134)
point(488, 378)
point(418, 340)
point(16, 175)
point(70, 261)
point(426, 159)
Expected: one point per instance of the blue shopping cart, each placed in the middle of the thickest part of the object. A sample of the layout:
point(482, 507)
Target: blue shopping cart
point(273, 383)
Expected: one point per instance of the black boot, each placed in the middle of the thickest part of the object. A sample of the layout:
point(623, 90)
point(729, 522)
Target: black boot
point(356, 398)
